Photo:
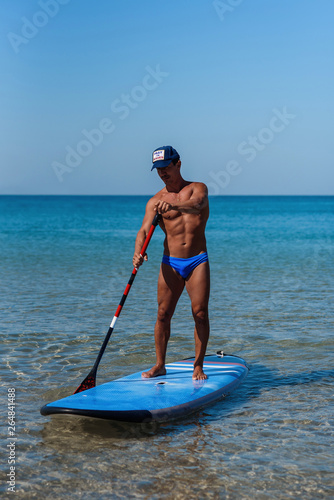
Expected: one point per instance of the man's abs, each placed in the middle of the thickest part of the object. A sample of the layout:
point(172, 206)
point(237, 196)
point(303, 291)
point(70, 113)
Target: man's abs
point(185, 235)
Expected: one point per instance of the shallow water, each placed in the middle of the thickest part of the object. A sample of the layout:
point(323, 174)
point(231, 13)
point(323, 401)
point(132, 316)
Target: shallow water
point(64, 264)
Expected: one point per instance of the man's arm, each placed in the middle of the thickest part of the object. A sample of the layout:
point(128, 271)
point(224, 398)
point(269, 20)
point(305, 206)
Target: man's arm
point(197, 201)
point(143, 232)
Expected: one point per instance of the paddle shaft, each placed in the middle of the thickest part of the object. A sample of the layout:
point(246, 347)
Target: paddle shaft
point(126, 292)
point(89, 381)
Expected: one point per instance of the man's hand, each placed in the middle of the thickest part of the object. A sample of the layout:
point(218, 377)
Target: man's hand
point(138, 260)
point(162, 207)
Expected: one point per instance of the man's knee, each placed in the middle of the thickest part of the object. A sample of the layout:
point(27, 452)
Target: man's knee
point(200, 314)
point(164, 315)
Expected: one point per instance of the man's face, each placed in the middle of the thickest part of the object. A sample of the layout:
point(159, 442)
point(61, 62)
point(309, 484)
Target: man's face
point(169, 173)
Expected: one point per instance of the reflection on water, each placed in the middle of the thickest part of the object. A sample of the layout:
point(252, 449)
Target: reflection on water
point(259, 380)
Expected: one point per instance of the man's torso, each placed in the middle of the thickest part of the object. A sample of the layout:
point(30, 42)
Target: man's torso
point(185, 232)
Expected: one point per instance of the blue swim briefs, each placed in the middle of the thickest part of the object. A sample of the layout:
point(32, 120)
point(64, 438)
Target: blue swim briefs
point(185, 266)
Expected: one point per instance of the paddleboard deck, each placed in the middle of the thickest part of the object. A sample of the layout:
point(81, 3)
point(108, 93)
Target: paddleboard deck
point(136, 399)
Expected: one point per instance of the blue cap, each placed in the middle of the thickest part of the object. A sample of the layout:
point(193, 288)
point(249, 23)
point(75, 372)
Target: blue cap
point(162, 157)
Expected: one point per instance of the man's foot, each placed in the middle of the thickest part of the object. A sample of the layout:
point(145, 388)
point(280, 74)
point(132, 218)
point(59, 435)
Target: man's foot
point(156, 371)
point(199, 374)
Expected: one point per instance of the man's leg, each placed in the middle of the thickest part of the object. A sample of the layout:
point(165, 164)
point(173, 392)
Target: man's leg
point(198, 288)
point(170, 287)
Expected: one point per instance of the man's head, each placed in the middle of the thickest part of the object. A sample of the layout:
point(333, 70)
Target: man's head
point(162, 157)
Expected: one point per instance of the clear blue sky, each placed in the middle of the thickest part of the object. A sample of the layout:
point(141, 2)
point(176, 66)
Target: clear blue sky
point(243, 89)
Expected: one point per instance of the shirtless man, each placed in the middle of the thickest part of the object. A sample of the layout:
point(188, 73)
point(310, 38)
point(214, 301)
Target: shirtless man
point(185, 210)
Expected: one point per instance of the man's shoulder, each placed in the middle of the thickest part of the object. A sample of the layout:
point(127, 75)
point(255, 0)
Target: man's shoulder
point(156, 197)
point(201, 185)
point(198, 186)
point(158, 194)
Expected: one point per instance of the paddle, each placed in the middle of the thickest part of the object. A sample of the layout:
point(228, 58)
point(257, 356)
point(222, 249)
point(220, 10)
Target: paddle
point(90, 380)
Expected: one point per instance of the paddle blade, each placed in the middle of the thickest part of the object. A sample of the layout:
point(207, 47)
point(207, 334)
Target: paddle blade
point(88, 383)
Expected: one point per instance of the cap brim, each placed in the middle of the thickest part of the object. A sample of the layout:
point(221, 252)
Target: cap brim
point(160, 164)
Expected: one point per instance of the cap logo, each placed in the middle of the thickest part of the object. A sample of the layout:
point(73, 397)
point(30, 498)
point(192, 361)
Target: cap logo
point(158, 155)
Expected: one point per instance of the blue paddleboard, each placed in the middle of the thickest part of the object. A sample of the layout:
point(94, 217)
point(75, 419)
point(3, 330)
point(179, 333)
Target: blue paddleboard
point(136, 399)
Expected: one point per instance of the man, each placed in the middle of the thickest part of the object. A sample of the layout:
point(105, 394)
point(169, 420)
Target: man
point(185, 210)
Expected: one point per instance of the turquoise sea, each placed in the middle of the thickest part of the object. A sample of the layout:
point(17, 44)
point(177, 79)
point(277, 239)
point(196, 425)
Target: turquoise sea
point(64, 263)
